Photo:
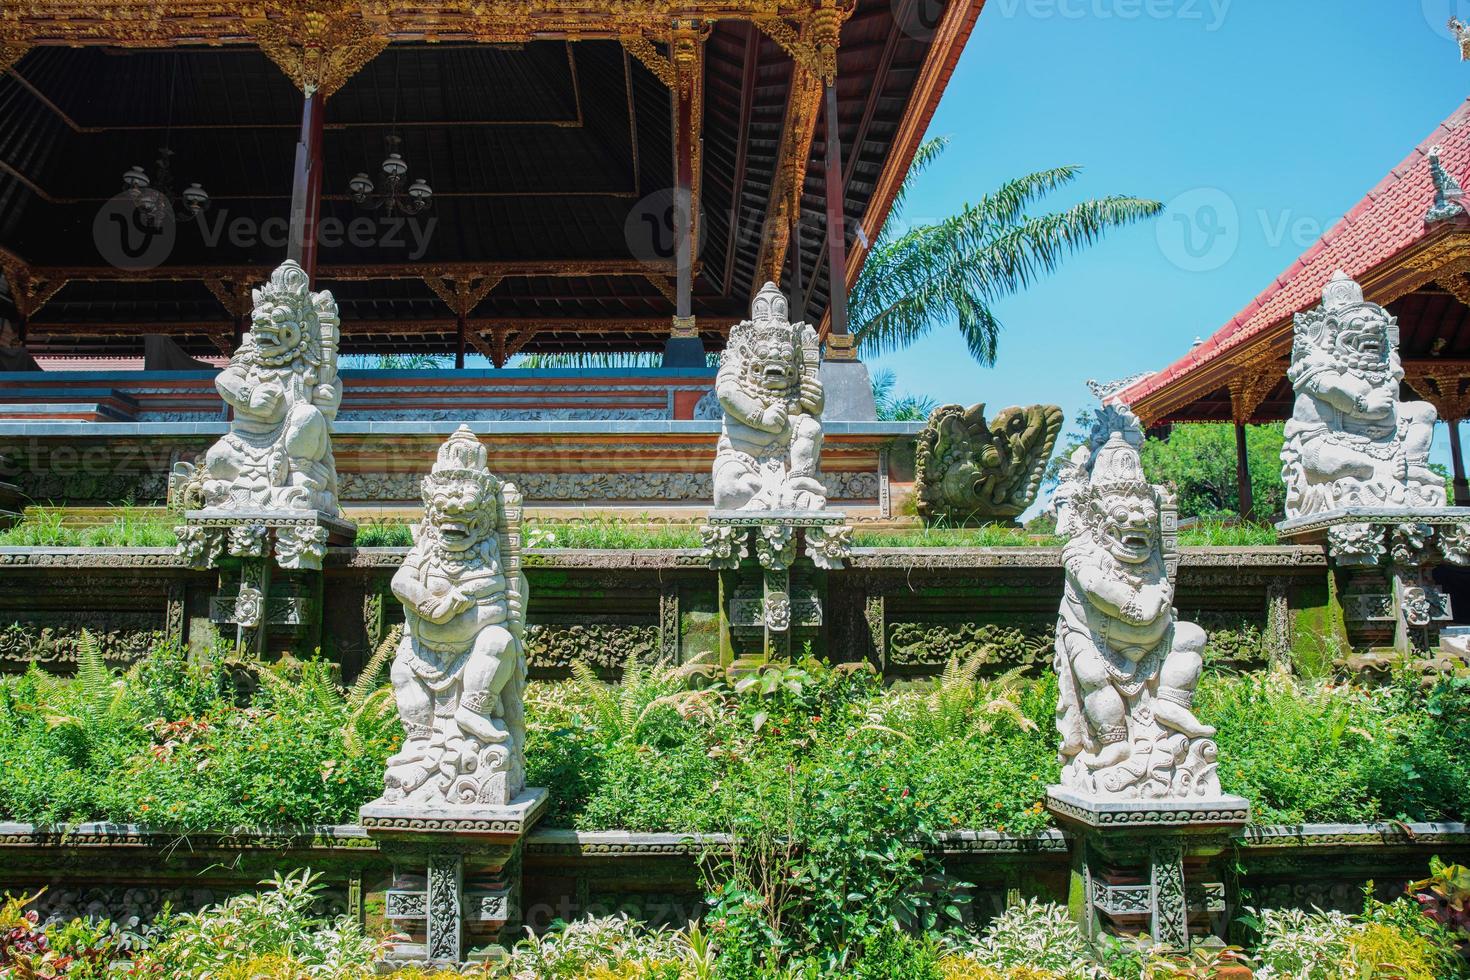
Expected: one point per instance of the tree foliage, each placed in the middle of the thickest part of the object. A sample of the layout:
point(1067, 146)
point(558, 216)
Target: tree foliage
point(1199, 461)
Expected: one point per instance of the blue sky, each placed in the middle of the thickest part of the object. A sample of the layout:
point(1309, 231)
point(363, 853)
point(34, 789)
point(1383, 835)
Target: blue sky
point(1287, 111)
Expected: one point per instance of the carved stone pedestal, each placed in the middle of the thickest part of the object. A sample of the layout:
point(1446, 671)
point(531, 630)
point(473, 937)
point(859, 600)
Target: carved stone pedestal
point(766, 595)
point(249, 547)
point(456, 882)
point(1385, 558)
point(1148, 866)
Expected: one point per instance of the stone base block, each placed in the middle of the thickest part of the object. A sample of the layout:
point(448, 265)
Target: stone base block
point(437, 824)
point(455, 896)
point(1098, 813)
point(297, 539)
point(1129, 862)
point(849, 392)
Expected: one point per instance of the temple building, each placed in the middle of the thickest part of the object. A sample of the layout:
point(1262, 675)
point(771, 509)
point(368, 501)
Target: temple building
point(470, 181)
point(1408, 243)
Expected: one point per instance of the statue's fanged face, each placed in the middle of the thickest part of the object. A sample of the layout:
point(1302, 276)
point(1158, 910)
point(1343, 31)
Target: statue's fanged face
point(775, 363)
point(277, 332)
point(457, 509)
point(1128, 525)
point(1362, 336)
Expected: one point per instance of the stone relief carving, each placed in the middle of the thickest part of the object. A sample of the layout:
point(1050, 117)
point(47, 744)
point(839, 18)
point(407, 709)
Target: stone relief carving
point(1350, 441)
point(282, 384)
point(968, 470)
point(771, 437)
point(605, 646)
point(53, 639)
point(460, 671)
point(600, 486)
point(1127, 665)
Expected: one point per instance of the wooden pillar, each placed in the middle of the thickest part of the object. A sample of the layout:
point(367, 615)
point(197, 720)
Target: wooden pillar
point(836, 230)
point(459, 340)
point(306, 186)
point(1457, 458)
point(1243, 474)
point(684, 198)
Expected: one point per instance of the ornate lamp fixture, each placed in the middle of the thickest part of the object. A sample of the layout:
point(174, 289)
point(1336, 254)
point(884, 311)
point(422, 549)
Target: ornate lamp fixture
point(393, 196)
point(153, 197)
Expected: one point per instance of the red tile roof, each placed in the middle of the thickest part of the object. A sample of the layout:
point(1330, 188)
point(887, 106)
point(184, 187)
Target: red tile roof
point(1383, 224)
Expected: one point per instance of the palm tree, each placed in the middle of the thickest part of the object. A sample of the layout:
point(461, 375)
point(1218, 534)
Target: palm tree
point(931, 275)
point(896, 406)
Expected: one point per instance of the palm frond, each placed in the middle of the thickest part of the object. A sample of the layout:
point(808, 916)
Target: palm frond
point(929, 151)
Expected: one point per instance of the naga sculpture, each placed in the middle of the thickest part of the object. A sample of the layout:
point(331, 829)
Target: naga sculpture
point(460, 671)
point(1350, 441)
point(283, 387)
point(1127, 665)
point(968, 471)
point(771, 438)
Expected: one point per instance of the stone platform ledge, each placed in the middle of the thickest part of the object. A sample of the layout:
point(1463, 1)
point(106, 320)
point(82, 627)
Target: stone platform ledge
point(1205, 813)
point(785, 518)
point(399, 821)
point(340, 531)
point(1316, 525)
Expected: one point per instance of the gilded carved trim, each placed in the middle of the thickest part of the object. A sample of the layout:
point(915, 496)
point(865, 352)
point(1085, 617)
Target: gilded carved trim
point(152, 23)
point(10, 54)
point(462, 293)
point(319, 44)
point(1443, 385)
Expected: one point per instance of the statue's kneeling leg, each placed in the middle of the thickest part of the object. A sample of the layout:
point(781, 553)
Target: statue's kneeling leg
point(410, 767)
point(1101, 703)
point(488, 670)
point(1178, 678)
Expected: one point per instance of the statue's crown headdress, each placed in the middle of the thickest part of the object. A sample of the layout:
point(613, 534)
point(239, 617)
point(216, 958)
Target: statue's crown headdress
point(1118, 466)
point(1341, 292)
point(769, 306)
point(461, 455)
point(288, 283)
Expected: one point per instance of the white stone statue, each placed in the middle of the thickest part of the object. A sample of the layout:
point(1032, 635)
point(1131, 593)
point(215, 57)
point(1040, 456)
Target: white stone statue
point(1350, 442)
point(460, 671)
point(1127, 666)
point(283, 387)
point(771, 440)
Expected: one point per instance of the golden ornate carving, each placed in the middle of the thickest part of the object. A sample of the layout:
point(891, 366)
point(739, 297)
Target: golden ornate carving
point(30, 289)
point(462, 293)
point(797, 129)
point(1254, 377)
point(152, 23)
point(233, 294)
point(813, 45)
point(664, 286)
point(640, 47)
point(319, 44)
point(1456, 285)
point(1443, 385)
point(684, 328)
point(840, 347)
point(10, 53)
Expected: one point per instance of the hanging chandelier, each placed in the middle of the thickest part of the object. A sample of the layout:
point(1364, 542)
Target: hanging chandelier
point(154, 200)
point(393, 196)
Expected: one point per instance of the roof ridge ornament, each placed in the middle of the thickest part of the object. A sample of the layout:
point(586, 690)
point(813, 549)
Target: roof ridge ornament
point(1448, 194)
point(1461, 30)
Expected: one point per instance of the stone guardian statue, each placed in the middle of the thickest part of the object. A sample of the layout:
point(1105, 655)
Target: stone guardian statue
point(283, 387)
point(460, 671)
point(1127, 666)
point(771, 438)
point(1350, 441)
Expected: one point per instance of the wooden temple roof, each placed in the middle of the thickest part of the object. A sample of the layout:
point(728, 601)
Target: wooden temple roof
point(544, 129)
point(1415, 267)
